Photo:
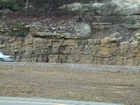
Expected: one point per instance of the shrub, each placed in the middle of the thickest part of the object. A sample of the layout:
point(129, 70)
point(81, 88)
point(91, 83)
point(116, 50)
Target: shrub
point(18, 29)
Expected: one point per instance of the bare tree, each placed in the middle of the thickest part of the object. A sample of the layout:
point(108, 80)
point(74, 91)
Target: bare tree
point(27, 7)
point(80, 12)
point(3, 7)
point(48, 7)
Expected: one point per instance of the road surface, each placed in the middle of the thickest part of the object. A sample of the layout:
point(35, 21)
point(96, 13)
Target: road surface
point(39, 101)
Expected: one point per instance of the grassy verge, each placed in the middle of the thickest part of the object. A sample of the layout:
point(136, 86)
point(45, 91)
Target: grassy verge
point(112, 87)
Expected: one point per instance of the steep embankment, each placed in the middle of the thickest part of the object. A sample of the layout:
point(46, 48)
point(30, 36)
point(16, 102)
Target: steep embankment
point(108, 34)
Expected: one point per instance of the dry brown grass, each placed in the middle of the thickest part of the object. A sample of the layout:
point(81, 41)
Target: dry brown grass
point(114, 87)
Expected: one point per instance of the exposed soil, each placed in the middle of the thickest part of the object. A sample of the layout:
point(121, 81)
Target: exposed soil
point(70, 84)
point(57, 17)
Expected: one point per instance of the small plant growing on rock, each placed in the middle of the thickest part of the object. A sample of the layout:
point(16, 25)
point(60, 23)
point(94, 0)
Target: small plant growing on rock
point(18, 29)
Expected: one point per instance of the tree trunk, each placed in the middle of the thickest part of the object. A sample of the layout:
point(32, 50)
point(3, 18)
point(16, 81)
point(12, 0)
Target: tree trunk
point(81, 12)
point(27, 7)
point(3, 12)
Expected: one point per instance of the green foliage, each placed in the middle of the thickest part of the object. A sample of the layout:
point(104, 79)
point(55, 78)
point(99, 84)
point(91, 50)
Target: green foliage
point(12, 4)
point(86, 1)
point(18, 29)
point(82, 37)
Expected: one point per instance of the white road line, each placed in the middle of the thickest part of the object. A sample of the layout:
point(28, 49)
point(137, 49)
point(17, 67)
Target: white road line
point(27, 102)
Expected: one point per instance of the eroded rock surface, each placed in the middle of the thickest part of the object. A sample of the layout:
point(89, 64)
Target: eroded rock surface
point(110, 37)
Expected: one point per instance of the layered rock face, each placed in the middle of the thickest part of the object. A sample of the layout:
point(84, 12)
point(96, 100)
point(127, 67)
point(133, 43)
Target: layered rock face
point(110, 37)
point(109, 50)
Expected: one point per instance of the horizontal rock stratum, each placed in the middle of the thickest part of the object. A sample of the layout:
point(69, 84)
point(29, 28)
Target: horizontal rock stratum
point(108, 50)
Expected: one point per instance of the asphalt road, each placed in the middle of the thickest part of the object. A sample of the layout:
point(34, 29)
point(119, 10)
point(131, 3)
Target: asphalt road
point(39, 101)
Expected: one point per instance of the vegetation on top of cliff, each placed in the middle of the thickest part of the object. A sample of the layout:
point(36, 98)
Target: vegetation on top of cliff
point(44, 7)
point(18, 29)
point(103, 16)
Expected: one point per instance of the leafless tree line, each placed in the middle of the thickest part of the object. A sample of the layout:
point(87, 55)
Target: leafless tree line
point(48, 6)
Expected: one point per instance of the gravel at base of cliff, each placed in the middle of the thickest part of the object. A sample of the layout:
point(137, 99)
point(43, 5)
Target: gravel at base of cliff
point(66, 66)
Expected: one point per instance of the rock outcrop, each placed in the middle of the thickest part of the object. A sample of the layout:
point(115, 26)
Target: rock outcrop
point(111, 36)
point(41, 46)
point(112, 7)
point(70, 30)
